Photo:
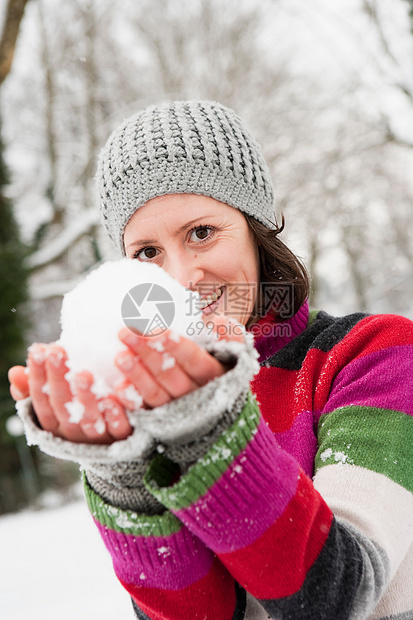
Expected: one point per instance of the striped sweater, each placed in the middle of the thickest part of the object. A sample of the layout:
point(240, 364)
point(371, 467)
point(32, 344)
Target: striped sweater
point(303, 508)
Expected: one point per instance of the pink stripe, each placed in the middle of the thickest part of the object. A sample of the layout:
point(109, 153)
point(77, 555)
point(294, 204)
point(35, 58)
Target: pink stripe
point(300, 441)
point(271, 335)
point(252, 494)
point(165, 562)
point(381, 379)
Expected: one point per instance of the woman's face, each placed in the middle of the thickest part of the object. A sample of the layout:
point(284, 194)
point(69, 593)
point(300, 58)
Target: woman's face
point(204, 244)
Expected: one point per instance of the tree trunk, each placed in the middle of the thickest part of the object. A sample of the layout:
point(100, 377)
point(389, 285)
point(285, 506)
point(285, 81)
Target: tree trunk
point(13, 16)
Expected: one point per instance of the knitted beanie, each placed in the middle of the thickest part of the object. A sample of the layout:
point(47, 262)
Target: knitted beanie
point(182, 147)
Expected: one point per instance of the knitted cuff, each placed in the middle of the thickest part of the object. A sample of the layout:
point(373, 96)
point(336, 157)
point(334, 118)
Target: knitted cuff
point(121, 485)
point(137, 446)
point(187, 454)
point(195, 415)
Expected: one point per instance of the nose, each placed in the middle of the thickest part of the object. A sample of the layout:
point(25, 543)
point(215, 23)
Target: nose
point(184, 269)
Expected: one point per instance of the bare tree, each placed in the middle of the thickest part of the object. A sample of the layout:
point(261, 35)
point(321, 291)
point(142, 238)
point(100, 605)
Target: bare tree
point(333, 152)
point(373, 10)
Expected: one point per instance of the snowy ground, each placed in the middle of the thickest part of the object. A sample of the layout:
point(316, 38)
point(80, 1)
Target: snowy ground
point(53, 564)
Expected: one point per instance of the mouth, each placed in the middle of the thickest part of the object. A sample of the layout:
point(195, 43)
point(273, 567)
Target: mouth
point(212, 298)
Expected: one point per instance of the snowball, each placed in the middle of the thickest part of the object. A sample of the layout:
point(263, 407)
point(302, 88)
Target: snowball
point(140, 295)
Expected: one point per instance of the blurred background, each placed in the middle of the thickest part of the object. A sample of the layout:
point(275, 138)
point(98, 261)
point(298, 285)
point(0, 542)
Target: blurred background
point(326, 88)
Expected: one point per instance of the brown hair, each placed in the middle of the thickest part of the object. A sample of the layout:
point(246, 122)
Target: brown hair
point(278, 266)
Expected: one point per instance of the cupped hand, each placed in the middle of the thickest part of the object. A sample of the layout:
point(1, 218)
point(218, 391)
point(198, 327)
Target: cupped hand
point(79, 417)
point(156, 369)
point(164, 367)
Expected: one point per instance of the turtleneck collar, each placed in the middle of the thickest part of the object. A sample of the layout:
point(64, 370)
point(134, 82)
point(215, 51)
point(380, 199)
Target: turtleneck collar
point(271, 335)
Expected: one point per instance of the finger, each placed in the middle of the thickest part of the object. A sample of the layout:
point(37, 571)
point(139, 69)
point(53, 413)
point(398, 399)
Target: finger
point(196, 362)
point(15, 393)
point(19, 386)
point(160, 364)
point(144, 392)
point(128, 395)
point(227, 328)
point(90, 417)
point(38, 388)
point(61, 398)
point(115, 417)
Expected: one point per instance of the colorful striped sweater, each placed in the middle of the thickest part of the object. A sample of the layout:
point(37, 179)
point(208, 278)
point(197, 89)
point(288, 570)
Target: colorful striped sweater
point(303, 508)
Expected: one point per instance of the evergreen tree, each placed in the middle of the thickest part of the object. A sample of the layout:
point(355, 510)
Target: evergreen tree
point(13, 323)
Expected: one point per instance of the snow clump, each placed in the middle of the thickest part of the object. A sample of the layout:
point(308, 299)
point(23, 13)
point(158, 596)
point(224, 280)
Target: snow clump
point(137, 294)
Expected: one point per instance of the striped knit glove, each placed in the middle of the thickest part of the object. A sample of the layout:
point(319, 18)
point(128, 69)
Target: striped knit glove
point(183, 429)
point(121, 484)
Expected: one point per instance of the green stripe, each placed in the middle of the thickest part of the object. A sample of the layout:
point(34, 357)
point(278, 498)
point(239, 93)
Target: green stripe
point(201, 477)
point(378, 439)
point(312, 317)
point(127, 521)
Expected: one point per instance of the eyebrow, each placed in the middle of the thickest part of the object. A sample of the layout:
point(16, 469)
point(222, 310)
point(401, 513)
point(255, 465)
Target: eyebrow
point(179, 230)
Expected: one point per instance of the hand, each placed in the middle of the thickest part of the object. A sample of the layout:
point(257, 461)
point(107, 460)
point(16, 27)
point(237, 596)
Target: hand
point(102, 422)
point(147, 371)
point(162, 369)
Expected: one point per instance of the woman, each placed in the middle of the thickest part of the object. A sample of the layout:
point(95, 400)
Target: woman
point(296, 504)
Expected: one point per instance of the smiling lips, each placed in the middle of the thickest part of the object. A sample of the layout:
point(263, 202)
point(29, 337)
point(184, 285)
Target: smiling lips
point(211, 298)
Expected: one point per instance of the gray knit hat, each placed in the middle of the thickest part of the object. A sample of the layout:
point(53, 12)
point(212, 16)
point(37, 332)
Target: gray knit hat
point(182, 147)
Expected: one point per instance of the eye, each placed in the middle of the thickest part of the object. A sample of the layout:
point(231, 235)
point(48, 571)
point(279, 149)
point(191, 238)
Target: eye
point(145, 254)
point(198, 234)
point(202, 233)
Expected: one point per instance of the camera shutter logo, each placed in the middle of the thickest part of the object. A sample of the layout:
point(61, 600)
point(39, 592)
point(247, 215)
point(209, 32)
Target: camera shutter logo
point(148, 308)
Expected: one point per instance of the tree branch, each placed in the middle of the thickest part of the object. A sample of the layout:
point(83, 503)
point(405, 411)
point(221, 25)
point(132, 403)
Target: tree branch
point(81, 226)
point(14, 14)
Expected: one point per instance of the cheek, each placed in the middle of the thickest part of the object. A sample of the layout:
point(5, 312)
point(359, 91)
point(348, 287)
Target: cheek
point(218, 259)
point(232, 257)
point(231, 260)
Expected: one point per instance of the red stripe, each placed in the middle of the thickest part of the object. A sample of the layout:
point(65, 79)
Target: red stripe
point(279, 391)
point(284, 394)
point(210, 598)
point(275, 404)
point(374, 333)
point(277, 563)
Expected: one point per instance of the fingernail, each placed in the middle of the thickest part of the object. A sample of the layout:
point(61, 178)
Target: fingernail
point(37, 354)
point(100, 427)
point(130, 338)
point(158, 344)
point(174, 336)
point(82, 383)
point(55, 358)
point(19, 395)
point(109, 407)
point(46, 388)
point(131, 396)
point(126, 362)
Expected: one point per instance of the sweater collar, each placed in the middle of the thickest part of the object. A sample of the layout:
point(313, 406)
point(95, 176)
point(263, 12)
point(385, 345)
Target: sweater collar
point(271, 335)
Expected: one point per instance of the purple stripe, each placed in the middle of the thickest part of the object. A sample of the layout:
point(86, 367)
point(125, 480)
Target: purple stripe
point(381, 379)
point(271, 335)
point(248, 498)
point(300, 441)
point(165, 562)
